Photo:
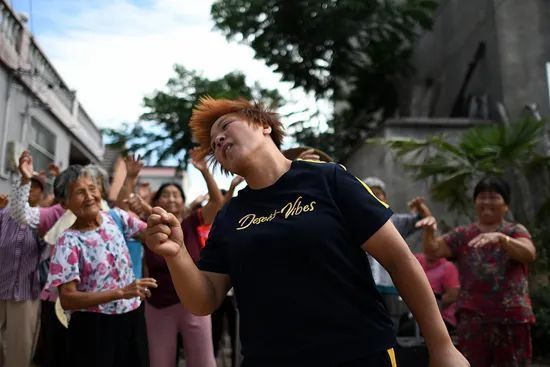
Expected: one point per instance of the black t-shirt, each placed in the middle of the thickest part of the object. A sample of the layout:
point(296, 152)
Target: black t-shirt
point(303, 284)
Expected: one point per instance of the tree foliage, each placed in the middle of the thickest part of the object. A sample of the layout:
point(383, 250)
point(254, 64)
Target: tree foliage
point(515, 151)
point(496, 149)
point(162, 131)
point(350, 51)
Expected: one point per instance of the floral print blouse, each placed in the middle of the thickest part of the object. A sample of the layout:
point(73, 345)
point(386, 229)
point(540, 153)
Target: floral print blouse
point(98, 260)
point(494, 286)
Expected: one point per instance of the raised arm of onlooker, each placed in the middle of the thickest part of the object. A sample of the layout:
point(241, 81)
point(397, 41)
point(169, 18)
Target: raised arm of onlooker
point(20, 209)
point(133, 167)
point(432, 246)
point(49, 198)
point(231, 191)
point(215, 197)
point(41, 219)
point(418, 205)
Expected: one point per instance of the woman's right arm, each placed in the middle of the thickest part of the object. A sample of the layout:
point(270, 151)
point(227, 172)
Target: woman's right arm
point(133, 167)
point(432, 245)
point(202, 292)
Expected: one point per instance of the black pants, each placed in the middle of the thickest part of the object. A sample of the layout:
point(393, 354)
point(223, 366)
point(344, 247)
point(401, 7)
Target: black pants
point(51, 350)
point(98, 340)
point(226, 310)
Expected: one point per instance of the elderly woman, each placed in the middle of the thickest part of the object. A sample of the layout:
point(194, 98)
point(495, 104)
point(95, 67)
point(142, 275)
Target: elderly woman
point(92, 270)
point(165, 316)
point(494, 309)
point(292, 244)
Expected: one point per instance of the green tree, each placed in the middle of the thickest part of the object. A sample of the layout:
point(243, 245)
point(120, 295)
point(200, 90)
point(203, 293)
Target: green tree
point(351, 51)
point(162, 132)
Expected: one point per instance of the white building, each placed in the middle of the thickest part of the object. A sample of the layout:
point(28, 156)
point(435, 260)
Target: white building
point(38, 111)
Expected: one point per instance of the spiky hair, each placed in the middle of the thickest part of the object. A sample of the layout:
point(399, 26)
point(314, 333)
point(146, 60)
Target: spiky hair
point(208, 110)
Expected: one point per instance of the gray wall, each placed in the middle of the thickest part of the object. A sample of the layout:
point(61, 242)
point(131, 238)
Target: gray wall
point(31, 89)
point(377, 160)
point(517, 39)
point(524, 42)
point(22, 107)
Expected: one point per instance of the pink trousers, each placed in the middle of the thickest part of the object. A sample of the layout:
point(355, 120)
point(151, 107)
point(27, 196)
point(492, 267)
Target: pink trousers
point(163, 325)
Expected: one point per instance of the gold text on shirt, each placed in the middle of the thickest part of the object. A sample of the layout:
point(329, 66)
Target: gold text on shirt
point(288, 210)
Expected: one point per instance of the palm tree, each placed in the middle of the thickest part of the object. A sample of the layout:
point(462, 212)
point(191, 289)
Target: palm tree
point(453, 168)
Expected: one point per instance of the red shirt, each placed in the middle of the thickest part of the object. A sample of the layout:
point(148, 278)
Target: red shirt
point(442, 275)
point(494, 286)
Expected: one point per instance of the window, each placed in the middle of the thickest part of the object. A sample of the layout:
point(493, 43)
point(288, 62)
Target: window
point(548, 79)
point(41, 146)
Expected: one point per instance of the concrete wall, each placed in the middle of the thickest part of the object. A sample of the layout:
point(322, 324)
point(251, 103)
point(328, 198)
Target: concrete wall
point(379, 161)
point(524, 42)
point(516, 35)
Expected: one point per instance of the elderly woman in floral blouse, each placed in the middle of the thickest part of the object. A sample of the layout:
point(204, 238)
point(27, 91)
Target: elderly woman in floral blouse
point(92, 269)
point(493, 309)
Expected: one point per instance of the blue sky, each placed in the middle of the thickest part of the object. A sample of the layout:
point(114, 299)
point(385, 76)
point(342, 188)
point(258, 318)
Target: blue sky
point(114, 52)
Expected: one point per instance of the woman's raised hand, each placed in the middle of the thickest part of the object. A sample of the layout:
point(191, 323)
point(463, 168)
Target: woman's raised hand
point(198, 163)
point(25, 166)
point(138, 205)
point(133, 165)
point(429, 223)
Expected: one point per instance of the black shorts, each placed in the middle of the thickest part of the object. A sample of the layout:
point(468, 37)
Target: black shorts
point(99, 340)
point(384, 359)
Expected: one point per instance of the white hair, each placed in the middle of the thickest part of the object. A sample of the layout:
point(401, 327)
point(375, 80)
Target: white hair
point(375, 182)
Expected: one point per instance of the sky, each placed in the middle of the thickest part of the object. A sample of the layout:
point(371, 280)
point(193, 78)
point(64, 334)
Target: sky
point(114, 52)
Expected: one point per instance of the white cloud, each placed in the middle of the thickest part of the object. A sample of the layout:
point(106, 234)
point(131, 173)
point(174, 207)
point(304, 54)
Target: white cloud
point(115, 52)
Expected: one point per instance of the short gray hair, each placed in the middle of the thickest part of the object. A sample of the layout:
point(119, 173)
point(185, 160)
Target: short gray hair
point(63, 182)
point(375, 182)
point(101, 178)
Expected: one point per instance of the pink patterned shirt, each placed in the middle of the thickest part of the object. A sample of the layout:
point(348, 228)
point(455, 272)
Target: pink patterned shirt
point(98, 260)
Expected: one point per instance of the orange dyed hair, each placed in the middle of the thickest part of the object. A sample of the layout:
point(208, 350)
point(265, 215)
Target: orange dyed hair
point(208, 110)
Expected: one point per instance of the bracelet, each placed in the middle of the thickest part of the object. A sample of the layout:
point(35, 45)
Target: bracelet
point(507, 242)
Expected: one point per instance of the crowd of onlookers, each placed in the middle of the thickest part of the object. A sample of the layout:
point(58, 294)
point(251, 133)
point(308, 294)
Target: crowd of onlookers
point(101, 288)
point(61, 263)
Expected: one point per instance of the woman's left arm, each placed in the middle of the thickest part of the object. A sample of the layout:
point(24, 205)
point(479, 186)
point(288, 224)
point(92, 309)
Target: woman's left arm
point(390, 250)
point(520, 249)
